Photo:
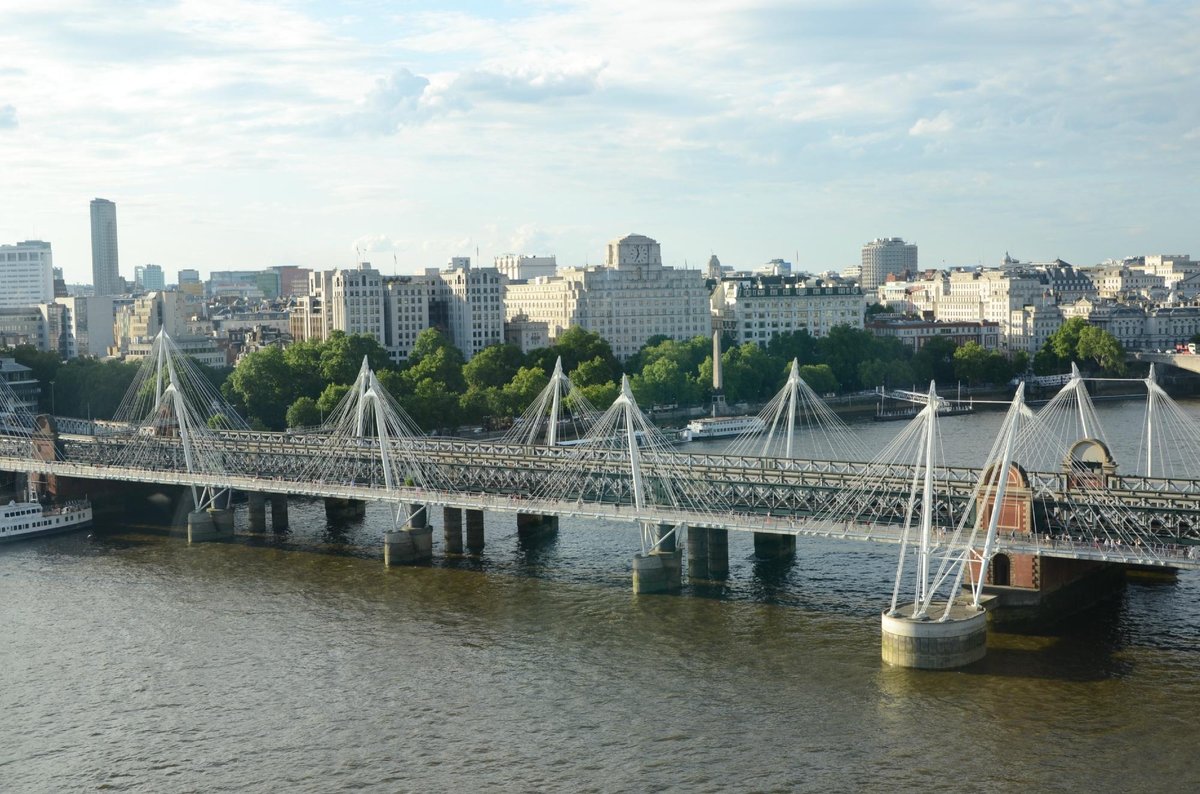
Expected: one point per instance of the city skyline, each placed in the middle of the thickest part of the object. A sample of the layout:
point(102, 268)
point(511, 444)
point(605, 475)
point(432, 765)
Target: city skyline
point(236, 136)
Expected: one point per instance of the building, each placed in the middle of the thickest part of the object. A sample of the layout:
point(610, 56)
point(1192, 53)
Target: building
point(356, 301)
point(149, 278)
point(917, 333)
point(757, 308)
point(26, 274)
point(526, 334)
point(25, 387)
point(628, 300)
point(88, 325)
point(137, 322)
point(468, 304)
point(189, 282)
point(293, 280)
point(882, 256)
point(522, 267)
point(60, 283)
point(106, 274)
point(40, 326)
point(406, 312)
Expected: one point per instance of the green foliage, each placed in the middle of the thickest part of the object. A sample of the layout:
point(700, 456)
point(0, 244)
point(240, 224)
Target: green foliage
point(1077, 341)
point(90, 388)
point(329, 399)
point(664, 381)
point(595, 371)
point(341, 356)
point(819, 377)
point(303, 413)
point(219, 422)
point(799, 345)
point(601, 395)
point(877, 308)
point(432, 405)
point(493, 366)
point(575, 346)
point(262, 384)
point(934, 361)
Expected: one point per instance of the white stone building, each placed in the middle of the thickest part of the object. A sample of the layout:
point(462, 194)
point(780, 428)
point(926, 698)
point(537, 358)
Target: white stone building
point(26, 274)
point(522, 267)
point(89, 325)
point(882, 256)
point(758, 308)
point(629, 299)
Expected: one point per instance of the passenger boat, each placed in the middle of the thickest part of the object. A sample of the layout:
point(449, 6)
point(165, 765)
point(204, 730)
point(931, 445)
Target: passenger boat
point(32, 518)
point(721, 427)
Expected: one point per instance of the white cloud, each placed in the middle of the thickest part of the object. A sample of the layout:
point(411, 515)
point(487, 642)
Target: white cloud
point(934, 126)
point(8, 117)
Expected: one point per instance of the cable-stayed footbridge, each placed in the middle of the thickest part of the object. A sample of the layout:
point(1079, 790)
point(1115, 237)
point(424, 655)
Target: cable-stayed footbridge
point(174, 428)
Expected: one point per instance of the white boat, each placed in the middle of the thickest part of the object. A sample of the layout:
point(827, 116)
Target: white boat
point(721, 427)
point(32, 518)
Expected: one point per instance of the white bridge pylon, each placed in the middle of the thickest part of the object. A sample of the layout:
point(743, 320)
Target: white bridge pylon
point(558, 407)
point(626, 460)
point(369, 432)
point(172, 409)
point(796, 423)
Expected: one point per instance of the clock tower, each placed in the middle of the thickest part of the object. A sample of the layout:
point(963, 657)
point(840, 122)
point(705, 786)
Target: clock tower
point(633, 250)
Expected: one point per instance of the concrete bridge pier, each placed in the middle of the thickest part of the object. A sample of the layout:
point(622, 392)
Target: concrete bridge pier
point(452, 526)
point(660, 571)
point(279, 512)
point(411, 545)
point(474, 531)
point(256, 504)
point(697, 553)
point(770, 546)
point(718, 553)
point(215, 523)
point(534, 527)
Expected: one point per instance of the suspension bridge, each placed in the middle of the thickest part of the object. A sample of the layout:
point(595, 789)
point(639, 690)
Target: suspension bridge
point(1048, 490)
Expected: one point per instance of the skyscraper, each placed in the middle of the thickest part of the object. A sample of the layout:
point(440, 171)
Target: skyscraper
point(105, 273)
point(27, 273)
point(883, 256)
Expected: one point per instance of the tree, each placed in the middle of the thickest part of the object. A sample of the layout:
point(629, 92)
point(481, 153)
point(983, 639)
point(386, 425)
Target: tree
point(970, 363)
point(601, 395)
point(799, 345)
point(819, 378)
point(661, 382)
point(519, 393)
point(44, 368)
point(303, 413)
point(341, 356)
point(432, 406)
point(935, 361)
point(595, 371)
point(1098, 345)
point(263, 385)
point(493, 366)
point(877, 308)
point(443, 365)
point(90, 388)
point(575, 346)
point(329, 399)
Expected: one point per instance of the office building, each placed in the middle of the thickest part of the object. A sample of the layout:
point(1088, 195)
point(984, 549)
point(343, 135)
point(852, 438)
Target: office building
point(26, 274)
point(149, 278)
point(106, 274)
point(882, 256)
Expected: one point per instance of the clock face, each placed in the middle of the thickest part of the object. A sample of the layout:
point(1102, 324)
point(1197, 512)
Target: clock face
point(642, 254)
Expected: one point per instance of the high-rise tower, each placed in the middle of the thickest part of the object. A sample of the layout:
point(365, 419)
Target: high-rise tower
point(881, 257)
point(106, 276)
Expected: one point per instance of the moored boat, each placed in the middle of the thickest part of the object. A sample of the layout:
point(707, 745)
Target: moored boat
point(31, 518)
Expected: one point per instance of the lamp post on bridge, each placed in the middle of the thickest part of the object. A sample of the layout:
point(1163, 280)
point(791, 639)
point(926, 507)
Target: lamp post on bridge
point(53, 394)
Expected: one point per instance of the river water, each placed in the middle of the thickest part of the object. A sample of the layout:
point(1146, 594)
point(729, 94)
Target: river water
point(130, 661)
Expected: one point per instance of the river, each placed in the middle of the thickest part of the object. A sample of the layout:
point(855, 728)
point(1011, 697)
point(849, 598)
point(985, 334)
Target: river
point(295, 661)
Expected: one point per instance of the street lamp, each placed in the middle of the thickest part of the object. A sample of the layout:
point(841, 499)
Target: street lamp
point(53, 408)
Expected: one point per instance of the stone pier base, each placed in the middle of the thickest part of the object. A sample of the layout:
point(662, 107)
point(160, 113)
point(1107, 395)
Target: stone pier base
point(474, 531)
point(411, 546)
point(657, 572)
point(769, 546)
point(718, 553)
point(207, 525)
point(697, 553)
point(532, 526)
point(256, 506)
point(932, 644)
point(452, 521)
point(279, 511)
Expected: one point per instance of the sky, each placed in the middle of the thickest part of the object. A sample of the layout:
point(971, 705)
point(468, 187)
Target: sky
point(240, 135)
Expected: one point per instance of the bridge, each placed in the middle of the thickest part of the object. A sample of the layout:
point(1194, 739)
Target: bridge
point(1185, 361)
point(1048, 489)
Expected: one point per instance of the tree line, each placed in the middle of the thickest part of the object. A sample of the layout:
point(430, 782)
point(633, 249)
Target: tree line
point(301, 384)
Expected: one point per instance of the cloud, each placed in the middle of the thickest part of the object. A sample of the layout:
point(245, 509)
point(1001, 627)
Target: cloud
point(932, 127)
point(8, 117)
point(527, 85)
point(377, 243)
